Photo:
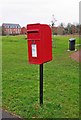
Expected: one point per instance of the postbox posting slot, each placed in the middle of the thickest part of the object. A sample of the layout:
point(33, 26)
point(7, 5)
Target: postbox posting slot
point(33, 31)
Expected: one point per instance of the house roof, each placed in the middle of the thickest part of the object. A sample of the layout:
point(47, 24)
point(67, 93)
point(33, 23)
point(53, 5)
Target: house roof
point(9, 25)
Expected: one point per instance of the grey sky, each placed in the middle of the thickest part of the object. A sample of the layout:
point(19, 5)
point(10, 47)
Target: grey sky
point(39, 11)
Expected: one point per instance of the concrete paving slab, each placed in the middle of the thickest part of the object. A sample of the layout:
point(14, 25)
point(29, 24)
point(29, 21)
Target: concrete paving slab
point(8, 116)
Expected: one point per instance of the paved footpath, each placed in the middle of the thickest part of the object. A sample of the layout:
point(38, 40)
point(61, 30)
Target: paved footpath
point(8, 116)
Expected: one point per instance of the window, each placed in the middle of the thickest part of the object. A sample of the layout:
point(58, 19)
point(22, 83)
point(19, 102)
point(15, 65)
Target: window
point(10, 26)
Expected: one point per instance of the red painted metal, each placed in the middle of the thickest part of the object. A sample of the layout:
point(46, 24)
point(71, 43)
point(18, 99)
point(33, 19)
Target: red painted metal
point(39, 43)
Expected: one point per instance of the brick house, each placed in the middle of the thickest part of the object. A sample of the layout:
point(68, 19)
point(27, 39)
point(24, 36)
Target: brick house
point(60, 30)
point(54, 30)
point(23, 30)
point(11, 29)
point(74, 29)
point(57, 30)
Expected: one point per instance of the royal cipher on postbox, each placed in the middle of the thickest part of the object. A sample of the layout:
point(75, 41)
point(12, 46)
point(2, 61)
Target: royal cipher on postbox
point(39, 43)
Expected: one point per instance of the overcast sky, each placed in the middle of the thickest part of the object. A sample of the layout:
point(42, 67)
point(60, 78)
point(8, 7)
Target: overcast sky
point(39, 11)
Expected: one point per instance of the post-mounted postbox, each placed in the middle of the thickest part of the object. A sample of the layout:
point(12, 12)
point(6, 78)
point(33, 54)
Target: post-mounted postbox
point(39, 43)
point(39, 48)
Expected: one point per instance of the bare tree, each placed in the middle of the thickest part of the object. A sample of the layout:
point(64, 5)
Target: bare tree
point(61, 25)
point(53, 23)
point(69, 28)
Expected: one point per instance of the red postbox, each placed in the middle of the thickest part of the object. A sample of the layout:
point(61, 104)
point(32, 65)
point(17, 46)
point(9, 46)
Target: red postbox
point(39, 43)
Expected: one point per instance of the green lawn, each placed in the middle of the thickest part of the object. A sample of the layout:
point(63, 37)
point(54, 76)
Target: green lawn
point(21, 81)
